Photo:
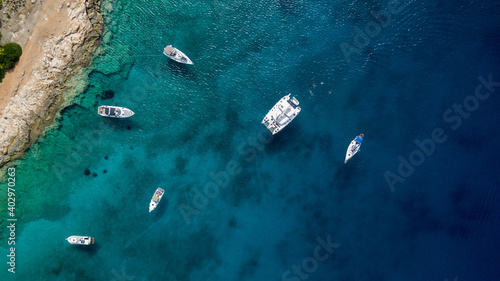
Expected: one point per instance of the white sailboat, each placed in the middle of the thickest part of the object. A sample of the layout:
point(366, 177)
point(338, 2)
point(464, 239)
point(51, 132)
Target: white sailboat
point(114, 111)
point(176, 55)
point(353, 147)
point(80, 240)
point(156, 199)
point(282, 113)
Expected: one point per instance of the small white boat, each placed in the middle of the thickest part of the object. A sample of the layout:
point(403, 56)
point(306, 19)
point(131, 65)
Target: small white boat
point(114, 111)
point(156, 199)
point(282, 113)
point(176, 55)
point(353, 147)
point(80, 240)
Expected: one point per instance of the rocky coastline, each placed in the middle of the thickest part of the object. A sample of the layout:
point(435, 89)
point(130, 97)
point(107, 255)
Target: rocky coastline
point(43, 83)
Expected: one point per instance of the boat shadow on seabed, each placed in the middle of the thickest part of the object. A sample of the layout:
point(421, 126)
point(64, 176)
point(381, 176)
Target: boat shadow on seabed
point(286, 138)
point(90, 249)
point(182, 70)
point(122, 124)
point(161, 209)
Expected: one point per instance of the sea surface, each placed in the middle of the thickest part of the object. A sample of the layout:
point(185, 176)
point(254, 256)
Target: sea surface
point(420, 201)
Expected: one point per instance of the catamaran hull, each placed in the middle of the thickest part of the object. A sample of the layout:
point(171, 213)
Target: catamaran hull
point(281, 114)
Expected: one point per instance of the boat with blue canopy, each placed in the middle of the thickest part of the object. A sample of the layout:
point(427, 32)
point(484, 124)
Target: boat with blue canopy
point(353, 147)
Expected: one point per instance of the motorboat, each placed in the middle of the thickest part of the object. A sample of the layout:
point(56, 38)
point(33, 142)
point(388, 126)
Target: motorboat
point(80, 240)
point(282, 113)
point(176, 55)
point(114, 111)
point(156, 199)
point(353, 147)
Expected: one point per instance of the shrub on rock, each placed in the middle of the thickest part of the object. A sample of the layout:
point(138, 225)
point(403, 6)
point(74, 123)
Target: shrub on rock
point(9, 55)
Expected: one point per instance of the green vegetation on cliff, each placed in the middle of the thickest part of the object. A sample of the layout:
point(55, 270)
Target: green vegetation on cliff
point(9, 55)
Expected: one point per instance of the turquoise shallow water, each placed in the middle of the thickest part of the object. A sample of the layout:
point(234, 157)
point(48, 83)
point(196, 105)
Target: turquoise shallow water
point(290, 193)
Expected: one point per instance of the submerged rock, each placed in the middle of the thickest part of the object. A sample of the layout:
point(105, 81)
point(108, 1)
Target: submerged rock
point(108, 95)
point(86, 172)
point(232, 223)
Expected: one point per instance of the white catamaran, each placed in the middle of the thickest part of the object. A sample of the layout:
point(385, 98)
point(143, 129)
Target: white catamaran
point(156, 199)
point(176, 55)
point(282, 113)
point(114, 111)
point(353, 147)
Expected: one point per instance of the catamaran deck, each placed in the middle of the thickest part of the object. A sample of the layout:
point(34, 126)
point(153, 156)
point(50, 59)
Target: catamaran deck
point(282, 113)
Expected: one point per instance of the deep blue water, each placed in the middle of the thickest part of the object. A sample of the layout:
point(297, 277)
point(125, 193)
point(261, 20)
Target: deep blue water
point(397, 72)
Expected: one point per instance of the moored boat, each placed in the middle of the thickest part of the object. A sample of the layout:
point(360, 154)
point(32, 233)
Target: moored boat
point(353, 147)
point(156, 199)
point(80, 240)
point(114, 111)
point(282, 113)
point(176, 55)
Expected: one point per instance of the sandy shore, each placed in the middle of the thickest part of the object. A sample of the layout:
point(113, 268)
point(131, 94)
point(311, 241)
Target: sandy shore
point(57, 38)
